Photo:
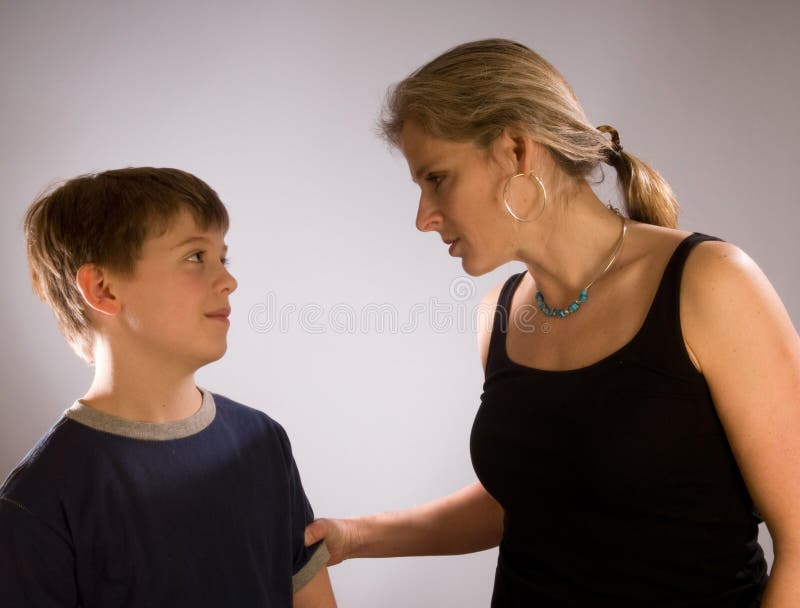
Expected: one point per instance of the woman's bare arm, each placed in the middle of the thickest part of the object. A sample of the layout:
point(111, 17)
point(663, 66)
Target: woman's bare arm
point(466, 521)
point(749, 353)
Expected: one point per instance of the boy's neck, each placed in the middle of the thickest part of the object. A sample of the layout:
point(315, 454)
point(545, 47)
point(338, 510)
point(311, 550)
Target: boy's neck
point(149, 392)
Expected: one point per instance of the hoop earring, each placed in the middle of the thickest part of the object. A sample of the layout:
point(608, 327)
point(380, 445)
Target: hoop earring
point(508, 206)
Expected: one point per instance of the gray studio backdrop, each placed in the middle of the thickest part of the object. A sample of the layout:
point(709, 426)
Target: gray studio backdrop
point(350, 327)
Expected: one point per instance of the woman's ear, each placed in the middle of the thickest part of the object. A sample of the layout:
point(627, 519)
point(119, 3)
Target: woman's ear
point(518, 150)
point(94, 284)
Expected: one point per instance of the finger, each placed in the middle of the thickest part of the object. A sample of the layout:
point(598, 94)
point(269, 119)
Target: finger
point(314, 532)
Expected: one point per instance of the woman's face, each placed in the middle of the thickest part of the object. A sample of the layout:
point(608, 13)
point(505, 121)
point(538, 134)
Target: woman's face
point(461, 197)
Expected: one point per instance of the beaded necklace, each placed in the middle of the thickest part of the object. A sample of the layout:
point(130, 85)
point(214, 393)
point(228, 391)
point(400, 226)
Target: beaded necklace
point(584, 295)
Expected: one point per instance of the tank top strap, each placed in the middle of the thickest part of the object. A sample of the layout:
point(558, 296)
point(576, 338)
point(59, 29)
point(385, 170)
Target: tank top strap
point(661, 336)
point(497, 357)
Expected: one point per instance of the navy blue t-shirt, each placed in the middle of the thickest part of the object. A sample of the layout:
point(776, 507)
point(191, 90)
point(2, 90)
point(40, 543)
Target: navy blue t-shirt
point(206, 511)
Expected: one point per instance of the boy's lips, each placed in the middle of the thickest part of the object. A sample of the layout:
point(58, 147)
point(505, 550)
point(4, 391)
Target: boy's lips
point(222, 313)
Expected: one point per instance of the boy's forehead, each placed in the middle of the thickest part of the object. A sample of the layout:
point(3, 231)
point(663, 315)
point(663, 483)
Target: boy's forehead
point(182, 229)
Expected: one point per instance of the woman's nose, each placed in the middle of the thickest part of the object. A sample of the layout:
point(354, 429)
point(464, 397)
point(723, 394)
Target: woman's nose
point(428, 216)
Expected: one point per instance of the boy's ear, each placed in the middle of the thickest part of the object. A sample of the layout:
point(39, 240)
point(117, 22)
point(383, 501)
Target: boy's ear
point(93, 283)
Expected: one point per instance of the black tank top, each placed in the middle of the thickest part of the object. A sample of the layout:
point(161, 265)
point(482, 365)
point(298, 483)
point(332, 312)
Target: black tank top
point(618, 483)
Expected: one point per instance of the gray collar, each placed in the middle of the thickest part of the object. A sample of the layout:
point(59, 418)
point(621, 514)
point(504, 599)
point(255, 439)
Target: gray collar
point(152, 431)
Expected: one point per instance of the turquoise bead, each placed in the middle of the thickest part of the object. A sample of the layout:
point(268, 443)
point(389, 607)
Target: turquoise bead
point(561, 312)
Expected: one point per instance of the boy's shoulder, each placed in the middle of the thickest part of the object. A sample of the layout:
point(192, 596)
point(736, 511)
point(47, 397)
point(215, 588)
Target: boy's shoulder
point(42, 455)
point(237, 409)
point(45, 470)
point(250, 425)
point(244, 416)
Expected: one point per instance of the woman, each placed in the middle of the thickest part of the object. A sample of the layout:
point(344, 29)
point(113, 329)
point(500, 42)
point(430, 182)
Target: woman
point(632, 434)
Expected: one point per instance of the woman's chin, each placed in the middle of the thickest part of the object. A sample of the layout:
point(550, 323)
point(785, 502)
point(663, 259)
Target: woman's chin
point(474, 269)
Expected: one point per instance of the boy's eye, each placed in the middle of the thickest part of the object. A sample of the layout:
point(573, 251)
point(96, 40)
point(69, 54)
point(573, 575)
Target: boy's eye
point(434, 179)
point(199, 256)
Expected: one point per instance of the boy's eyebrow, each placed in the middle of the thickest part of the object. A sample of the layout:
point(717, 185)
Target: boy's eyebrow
point(420, 172)
point(196, 239)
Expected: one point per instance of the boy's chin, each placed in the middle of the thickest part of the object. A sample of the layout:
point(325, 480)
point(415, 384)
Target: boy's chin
point(211, 357)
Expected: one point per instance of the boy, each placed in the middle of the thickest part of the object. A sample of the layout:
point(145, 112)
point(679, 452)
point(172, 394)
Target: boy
point(150, 491)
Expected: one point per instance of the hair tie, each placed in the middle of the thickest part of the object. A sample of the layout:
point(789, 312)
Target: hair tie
point(615, 145)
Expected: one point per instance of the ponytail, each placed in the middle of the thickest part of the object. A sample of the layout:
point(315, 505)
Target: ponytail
point(648, 197)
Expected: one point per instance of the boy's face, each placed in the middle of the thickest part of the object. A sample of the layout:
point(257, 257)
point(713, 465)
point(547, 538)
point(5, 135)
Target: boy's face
point(175, 306)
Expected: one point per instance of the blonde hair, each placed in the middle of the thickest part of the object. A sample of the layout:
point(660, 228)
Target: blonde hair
point(105, 218)
point(476, 90)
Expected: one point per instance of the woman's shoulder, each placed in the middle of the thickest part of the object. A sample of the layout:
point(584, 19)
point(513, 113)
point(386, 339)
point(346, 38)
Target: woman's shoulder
point(722, 288)
point(719, 273)
point(649, 244)
point(710, 263)
point(714, 280)
point(712, 259)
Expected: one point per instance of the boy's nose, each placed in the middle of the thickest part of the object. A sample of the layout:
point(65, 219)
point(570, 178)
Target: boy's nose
point(228, 282)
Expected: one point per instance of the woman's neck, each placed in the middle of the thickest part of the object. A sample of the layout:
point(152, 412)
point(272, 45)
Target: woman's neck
point(569, 246)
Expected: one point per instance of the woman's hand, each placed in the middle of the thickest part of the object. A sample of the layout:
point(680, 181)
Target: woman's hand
point(339, 536)
point(466, 521)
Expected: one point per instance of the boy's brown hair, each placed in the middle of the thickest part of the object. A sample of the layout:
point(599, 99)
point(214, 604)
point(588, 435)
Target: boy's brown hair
point(105, 218)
